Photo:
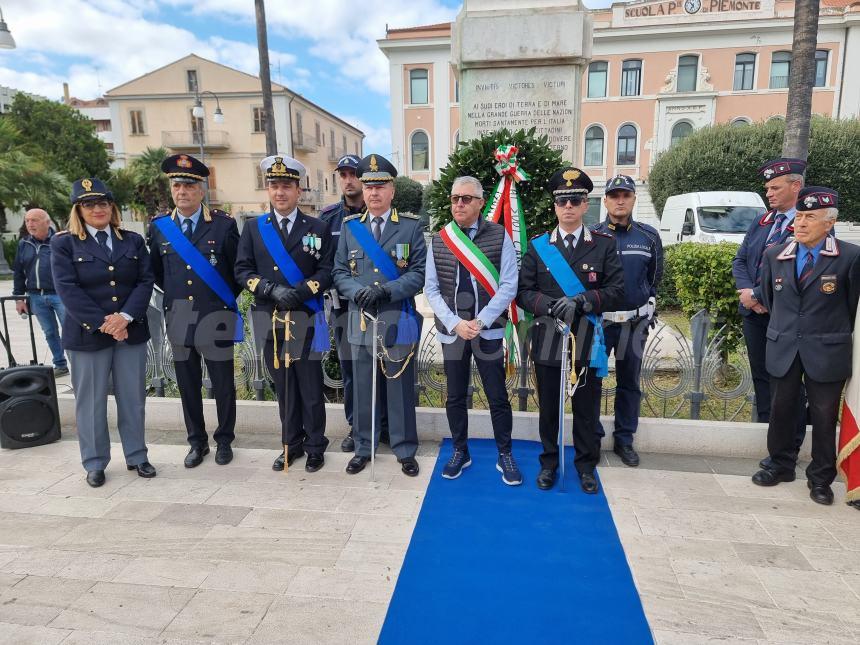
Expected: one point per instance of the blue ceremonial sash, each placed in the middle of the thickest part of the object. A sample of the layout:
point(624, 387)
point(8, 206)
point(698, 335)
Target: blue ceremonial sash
point(294, 275)
point(200, 265)
point(563, 274)
point(407, 327)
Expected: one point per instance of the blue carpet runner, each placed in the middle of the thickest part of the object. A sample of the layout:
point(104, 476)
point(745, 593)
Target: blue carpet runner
point(490, 563)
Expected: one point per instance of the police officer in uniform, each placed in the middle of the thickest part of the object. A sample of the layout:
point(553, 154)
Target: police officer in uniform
point(810, 286)
point(351, 203)
point(285, 260)
point(103, 276)
point(379, 267)
point(783, 181)
point(626, 331)
point(201, 317)
point(591, 268)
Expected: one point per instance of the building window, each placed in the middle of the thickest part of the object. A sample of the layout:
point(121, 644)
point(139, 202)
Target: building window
point(597, 72)
point(259, 120)
point(344, 144)
point(334, 184)
point(744, 71)
point(456, 91)
point(318, 133)
point(740, 122)
point(299, 129)
point(594, 146)
point(688, 70)
point(680, 131)
point(197, 128)
point(331, 141)
point(420, 146)
point(631, 77)
point(191, 80)
point(136, 117)
point(356, 148)
point(627, 137)
point(780, 70)
point(259, 178)
point(456, 139)
point(418, 87)
point(821, 67)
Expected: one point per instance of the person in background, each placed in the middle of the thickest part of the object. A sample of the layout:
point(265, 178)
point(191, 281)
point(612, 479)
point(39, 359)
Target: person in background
point(32, 277)
point(104, 278)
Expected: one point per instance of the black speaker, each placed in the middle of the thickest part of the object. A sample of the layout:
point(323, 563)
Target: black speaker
point(29, 415)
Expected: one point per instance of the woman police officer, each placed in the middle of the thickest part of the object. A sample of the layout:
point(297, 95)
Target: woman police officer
point(103, 277)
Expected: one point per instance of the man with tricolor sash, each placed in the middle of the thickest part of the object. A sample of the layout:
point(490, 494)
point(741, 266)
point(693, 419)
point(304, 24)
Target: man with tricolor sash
point(285, 260)
point(379, 267)
point(810, 287)
point(470, 282)
point(571, 275)
point(193, 250)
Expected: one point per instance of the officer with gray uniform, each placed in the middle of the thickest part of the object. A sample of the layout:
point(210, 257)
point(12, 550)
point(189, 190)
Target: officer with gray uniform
point(379, 267)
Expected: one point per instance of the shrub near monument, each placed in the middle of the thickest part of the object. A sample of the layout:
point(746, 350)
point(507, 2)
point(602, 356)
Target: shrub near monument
point(726, 157)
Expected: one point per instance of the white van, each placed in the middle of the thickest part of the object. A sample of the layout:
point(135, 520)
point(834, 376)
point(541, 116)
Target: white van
point(710, 217)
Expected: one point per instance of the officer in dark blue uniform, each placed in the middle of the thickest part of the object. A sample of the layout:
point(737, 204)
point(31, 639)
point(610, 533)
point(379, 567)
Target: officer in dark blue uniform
point(626, 330)
point(199, 307)
point(783, 182)
point(285, 260)
point(351, 203)
point(103, 275)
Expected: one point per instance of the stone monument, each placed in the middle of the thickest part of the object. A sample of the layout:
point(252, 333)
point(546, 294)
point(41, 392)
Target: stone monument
point(520, 65)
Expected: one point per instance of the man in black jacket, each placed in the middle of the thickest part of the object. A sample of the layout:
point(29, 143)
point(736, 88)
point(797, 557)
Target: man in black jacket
point(32, 277)
point(589, 282)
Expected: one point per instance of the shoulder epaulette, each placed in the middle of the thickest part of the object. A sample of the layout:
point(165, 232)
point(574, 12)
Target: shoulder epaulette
point(329, 208)
point(352, 217)
point(408, 216)
point(602, 233)
point(159, 216)
point(537, 236)
point(215, 211)
point(644, 226)
point(63, 232)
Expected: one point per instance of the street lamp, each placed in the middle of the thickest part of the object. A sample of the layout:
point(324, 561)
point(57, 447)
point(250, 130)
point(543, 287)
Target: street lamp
point(6, 40)
point(199, 113)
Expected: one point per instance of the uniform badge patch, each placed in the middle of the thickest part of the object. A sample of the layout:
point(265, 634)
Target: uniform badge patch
point(828, 284)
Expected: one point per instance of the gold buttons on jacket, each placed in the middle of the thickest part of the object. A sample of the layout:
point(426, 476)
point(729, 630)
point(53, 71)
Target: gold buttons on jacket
point(188, 266)
point(191, 297)
point(375, 270)
point(190, 282)
point(110, 268)
point(114, 298)
point(113, 283)
point(276, 268)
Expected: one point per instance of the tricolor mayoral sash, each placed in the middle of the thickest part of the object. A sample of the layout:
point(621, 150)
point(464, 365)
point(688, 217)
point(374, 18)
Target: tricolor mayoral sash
point(201, 266)
point(563, 274)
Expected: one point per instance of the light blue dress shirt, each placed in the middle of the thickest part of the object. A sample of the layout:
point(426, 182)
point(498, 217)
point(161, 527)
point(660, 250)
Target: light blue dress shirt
point(803, 251)
point(195, 218)
point(789, 218)
point(507, 291)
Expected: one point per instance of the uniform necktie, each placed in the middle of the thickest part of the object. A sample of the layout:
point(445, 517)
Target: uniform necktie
point(187, 226)
point(102, 238)
point(377, 227)
point(285, 226)
point(772, 239)
point(570, 244)
point(806, 270)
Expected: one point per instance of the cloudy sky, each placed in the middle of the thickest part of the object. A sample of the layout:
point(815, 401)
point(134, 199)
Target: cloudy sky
point(323, 49)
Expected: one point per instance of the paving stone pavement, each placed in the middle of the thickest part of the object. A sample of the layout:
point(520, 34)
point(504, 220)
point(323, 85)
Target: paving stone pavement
point(241, 554)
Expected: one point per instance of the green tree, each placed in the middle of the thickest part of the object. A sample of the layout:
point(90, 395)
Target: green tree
point(152, 188)
point(65, 138)
point(723, 157)
point(407, 195)
point(476, 157)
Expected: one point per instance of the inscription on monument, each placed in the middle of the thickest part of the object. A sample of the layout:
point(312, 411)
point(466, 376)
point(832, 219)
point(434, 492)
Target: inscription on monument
point(522, 98)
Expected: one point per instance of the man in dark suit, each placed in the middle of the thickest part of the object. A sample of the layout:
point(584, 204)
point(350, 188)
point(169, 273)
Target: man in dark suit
point(783, 179)
point(199, 302)
point(810, 286)
point(285, 260)
point(591, 281)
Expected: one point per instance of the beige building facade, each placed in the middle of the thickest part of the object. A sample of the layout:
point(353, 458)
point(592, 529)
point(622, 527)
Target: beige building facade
point(155, 110)
point(659, 70)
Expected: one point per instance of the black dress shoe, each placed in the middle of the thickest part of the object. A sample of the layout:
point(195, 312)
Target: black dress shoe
point(145, 469)
point(279, 462)
point(588, 483)
point(356, 465)
point(766, 477)
point(96, 478)
point(223, 454)
point(409, 466)
point(820, 493)
point(855, 504)
point(314, 462)
point(629, 457)
point(546, 478)
point(195, 456)
point(348, 443)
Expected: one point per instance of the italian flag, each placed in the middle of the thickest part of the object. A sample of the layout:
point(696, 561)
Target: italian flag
point(467, 252)
point(848, 456)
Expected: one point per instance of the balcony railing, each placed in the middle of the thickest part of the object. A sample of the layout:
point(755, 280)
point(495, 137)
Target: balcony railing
point(304, 142)
point(191, 139)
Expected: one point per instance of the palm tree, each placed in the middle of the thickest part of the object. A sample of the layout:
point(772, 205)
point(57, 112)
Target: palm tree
point(152, 188)
point(798, 113)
